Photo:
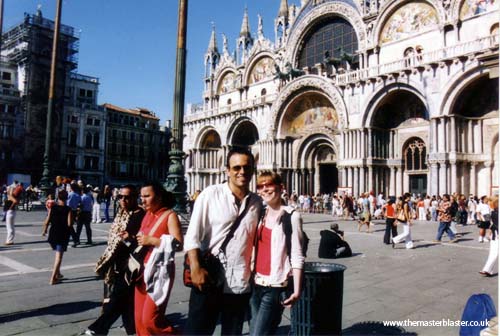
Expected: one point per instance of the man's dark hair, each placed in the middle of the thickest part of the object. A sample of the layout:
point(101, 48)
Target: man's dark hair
point(166, 197)
point(242, 151)
point(133, 190)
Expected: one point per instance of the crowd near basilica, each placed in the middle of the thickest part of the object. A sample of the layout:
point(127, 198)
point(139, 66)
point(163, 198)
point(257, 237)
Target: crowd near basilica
point(389, 95)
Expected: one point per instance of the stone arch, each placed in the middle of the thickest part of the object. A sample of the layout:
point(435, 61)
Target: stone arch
point(317, 159)
point(461, 10)
point(307, 22)
point(202, 135)
point(415, 154)
point(390, 7)
point(238, 126)
point(253, 62)
point(222, 74)
point(317, 84)
point(373, 103)
point(457, 85)
point(307, 145)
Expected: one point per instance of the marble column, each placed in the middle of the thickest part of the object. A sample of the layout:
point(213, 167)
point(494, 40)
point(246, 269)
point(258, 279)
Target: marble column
point(442, 178)
point(473, 178)
point(370, 145)
point(362, 187)
point(488, 165)
point(441, 136)
point(349, 177)
point(399, 179)
point(370, 178)
point(392, 181)
point(355, 188)
point(453, 126)
point(434, 179)
point(453, 184)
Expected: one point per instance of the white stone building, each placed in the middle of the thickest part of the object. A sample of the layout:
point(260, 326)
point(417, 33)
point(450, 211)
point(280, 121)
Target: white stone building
point(389, 96)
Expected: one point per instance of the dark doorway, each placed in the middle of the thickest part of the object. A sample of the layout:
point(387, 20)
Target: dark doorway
point(328, 178)
point(418, 184)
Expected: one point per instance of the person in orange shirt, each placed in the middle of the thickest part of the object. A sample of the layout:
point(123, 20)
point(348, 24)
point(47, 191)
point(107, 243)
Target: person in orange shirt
point(421, 209)
point(390, 218)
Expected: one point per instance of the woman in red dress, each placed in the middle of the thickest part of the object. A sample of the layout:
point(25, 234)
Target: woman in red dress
point(149, 318)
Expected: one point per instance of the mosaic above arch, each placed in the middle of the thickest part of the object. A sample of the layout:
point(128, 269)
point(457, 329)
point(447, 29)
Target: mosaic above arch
point(309, 112)
point(475, 7)
point(409, 20)
point(227, 83)
point(264, 68)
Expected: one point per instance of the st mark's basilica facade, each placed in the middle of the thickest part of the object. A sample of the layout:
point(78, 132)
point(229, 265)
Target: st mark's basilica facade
point(388, 95)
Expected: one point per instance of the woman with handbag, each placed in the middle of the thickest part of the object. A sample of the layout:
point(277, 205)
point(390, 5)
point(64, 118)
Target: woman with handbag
point(279, 258)
point(60, 220)
point(159, 220)
point(404, 217)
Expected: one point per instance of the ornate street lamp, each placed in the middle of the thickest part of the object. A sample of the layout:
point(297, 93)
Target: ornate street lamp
point(46, 181)
point(176, 182)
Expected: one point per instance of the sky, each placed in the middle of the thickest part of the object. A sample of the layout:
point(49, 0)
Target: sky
point(130, 45)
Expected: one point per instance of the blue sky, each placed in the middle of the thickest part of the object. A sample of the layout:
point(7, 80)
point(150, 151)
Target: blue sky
point(130, 45)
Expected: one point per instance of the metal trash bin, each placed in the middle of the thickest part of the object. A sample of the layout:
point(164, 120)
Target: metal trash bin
point(319, 309)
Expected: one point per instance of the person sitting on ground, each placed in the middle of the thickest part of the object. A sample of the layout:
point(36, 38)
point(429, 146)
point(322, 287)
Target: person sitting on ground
point(332, 243)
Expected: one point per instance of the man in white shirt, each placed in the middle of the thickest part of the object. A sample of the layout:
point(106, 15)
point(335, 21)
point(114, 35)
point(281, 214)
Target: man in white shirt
point(214, 212)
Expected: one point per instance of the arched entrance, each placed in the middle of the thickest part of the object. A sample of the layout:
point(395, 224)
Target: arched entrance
point(399, 130)
point(415, 165)
point(245, 134)
point(318, 159)
point(475, 115)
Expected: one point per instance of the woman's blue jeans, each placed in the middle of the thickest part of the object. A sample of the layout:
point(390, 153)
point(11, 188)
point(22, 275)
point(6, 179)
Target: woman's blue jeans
point(266, 310)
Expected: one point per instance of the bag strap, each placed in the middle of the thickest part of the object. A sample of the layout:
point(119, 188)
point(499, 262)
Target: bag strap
point(234, 226)
point(155, 227)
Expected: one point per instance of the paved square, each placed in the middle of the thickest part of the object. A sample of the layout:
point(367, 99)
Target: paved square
point(430, 282)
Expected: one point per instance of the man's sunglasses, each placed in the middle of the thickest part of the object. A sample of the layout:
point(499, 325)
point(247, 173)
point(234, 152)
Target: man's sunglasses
point(125, 197)
point(246, 168)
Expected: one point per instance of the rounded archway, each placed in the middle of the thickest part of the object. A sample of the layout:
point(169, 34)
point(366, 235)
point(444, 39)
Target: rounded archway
point(317, 160)
point(331, 37)
point(245, 134)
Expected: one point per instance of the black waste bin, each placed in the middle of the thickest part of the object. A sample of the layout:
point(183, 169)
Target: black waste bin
point(319, 309)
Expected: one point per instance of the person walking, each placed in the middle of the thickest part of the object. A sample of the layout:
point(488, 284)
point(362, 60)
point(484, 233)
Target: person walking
point(445, 218)
point(279, 258)
point(390, 218)
point(483, 218)
point(403, 216)
point(14, 193)
point(492, 260)
point(107, 201)
point(118, 294)
point(85, 215)
point(74, 200)
point(96, 208)
point(60, 220)
point(158, 203)
point(216, 212)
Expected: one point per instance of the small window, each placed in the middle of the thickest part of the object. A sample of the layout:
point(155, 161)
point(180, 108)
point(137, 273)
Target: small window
point(6, 76)
point(97, 122)
point(90, 121)
point(81, 92)
point(90, 93)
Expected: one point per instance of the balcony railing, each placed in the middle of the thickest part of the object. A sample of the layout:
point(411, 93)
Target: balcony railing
point(434, 56)
point(443, 54)
point(267, 99)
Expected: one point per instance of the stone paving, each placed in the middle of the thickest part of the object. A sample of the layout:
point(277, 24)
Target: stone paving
point(430, 282)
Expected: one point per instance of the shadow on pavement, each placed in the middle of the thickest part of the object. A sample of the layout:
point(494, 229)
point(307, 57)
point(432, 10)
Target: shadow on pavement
point(80, 279)
point(375, 328)
point(57, 309)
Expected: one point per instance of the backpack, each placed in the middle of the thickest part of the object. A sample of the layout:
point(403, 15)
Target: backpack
point(479, 308)
point(286, 221)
